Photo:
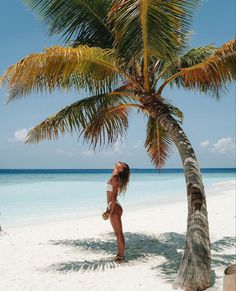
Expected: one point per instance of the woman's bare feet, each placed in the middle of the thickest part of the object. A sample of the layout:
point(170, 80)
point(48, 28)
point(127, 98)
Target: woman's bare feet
point(119, 259)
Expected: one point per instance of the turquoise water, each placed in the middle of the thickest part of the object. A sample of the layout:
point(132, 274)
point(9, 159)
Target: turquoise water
point(38, 195)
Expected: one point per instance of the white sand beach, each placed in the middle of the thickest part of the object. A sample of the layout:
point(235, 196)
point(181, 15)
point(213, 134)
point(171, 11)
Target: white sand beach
point(77, 254)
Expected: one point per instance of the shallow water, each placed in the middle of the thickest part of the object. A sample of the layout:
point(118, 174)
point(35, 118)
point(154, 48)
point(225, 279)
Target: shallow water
point(30, 196)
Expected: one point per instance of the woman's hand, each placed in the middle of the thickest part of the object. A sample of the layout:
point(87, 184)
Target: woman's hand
point(106, 215)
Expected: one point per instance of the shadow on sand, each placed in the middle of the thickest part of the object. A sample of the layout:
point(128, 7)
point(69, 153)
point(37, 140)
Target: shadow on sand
point(139, 249)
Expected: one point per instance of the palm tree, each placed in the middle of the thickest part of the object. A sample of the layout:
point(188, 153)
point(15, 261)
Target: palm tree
point(124, 54)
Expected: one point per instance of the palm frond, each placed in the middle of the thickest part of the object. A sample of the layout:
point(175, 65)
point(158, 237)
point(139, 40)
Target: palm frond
point(151, 28)
point(98, 119)
point(143, 16)
point(213, 73)
point(81, 21)
point(196, 56)
point(93, 69)
point(175, 111)
point(158, 144)
point(192, 57)
point(106, 127)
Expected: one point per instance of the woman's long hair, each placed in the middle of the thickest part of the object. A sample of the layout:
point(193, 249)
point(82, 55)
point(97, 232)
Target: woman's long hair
point(124, 177)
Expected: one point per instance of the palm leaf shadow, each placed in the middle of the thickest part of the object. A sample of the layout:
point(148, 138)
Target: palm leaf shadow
point(139, 249)
point(219, 258)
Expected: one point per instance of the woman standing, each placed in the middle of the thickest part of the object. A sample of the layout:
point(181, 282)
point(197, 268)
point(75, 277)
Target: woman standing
point(117, 184)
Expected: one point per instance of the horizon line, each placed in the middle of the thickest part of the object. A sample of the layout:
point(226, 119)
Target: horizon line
point(111, 168)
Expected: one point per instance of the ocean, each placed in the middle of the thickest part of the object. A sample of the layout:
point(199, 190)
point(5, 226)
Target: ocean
point(34, 196)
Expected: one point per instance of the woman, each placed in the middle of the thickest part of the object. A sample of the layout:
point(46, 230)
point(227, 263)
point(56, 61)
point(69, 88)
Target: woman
point(116, 184)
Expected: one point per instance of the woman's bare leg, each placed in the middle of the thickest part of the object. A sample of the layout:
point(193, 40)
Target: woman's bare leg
point(116, 223)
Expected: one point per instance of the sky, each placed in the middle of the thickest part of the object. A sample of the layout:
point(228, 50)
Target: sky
point(209, 124)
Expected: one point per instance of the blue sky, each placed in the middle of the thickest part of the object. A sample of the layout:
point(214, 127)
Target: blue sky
point(209, 124)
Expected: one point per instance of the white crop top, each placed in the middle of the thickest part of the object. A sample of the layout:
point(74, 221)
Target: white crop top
point(109, 187)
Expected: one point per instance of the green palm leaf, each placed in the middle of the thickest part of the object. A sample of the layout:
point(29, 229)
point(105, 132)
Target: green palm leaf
point(99, 119)
point(173, 110)
point(192, 57)
point(196, 55)
point(157, 144)
point(213, 73)
point(93, 69)
point(156, 27)
point(82, 21)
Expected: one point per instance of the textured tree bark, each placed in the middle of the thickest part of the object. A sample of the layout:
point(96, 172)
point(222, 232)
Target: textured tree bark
point(195, 267)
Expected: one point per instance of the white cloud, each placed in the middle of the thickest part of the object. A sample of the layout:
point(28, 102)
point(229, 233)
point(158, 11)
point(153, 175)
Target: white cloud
point(204, 143)
point(119, 146)
point(19, 135)
point(138, 144)
point(65, 153)
point(87, 153)
point(117, 149)
point(225, 145)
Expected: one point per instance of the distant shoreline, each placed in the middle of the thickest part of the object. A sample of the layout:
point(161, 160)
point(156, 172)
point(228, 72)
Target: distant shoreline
point(97, 171)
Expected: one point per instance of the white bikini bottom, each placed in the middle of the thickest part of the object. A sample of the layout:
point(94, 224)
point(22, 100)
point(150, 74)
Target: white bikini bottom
point(109, 205)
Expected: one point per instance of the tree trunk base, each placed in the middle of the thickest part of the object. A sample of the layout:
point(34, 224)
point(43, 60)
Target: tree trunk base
point(194, 273)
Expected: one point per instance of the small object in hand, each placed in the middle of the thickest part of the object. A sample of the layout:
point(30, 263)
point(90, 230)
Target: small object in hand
point(105, 215)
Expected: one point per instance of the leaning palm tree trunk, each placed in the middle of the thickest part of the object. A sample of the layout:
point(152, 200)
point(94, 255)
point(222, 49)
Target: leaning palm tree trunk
point(194, 271)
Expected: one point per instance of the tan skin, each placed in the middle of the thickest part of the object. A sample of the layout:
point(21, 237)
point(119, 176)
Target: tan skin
point(115, 212)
